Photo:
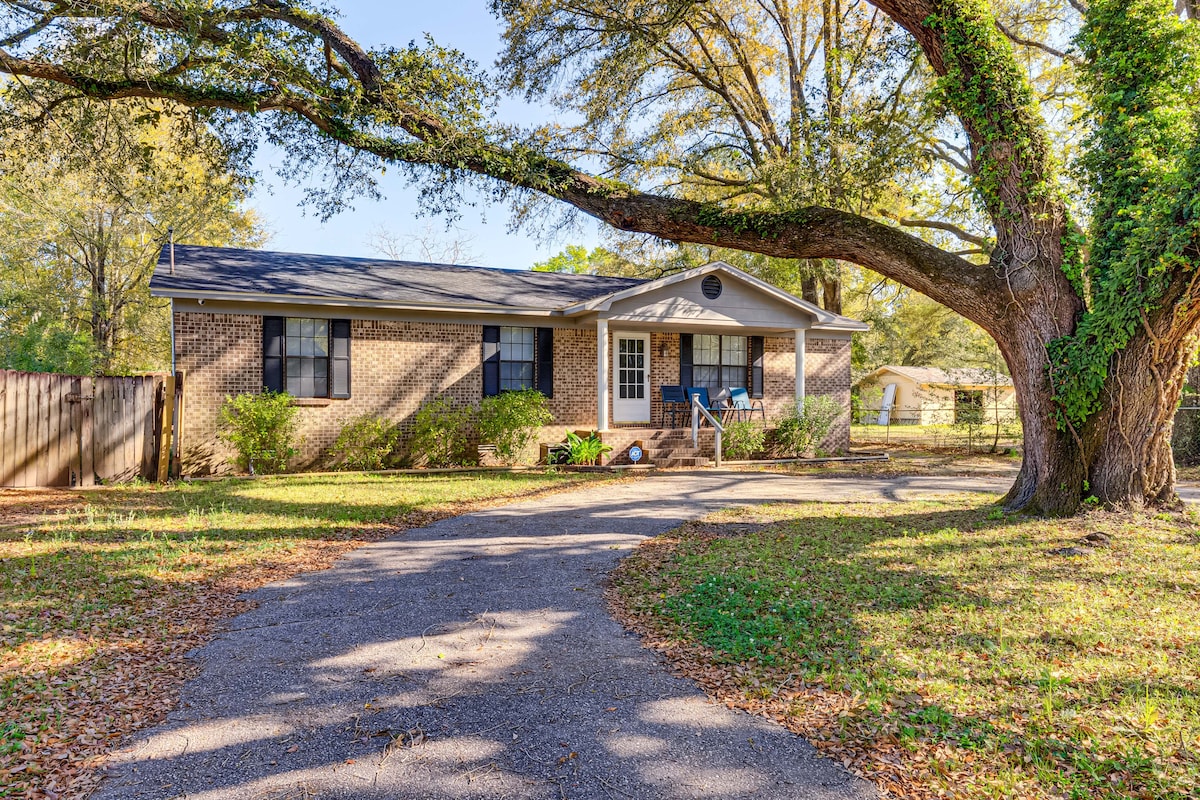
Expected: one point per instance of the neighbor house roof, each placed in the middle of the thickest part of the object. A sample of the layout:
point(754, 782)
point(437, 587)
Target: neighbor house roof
point(936, 376)
point(201, 273)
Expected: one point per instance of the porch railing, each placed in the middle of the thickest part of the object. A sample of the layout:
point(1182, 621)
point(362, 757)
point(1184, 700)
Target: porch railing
point(697, 410)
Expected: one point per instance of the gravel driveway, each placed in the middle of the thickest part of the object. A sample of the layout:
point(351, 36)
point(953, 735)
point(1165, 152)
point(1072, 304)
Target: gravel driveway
point(474, 658)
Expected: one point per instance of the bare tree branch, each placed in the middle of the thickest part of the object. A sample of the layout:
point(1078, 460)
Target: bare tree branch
point(1045, 48)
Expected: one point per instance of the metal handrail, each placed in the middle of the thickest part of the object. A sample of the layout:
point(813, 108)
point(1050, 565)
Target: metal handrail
point(697, 410)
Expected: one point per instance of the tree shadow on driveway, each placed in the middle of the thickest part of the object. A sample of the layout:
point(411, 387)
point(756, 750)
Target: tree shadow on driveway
point(475, 658)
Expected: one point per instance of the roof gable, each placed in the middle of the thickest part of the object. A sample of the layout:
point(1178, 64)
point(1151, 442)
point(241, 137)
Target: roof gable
point(816, 316)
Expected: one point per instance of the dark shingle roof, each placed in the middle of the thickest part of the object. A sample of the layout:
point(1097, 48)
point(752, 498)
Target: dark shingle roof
point(260, 272)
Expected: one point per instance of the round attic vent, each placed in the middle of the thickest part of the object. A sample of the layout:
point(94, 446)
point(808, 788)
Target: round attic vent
point(711, 286)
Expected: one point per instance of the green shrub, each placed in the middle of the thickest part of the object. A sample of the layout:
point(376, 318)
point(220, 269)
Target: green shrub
point(366, 442)
point(742, 440)
point(262, 428)
point(803, 427)
point(586, 451)
point(443, 434)
point(510, 421)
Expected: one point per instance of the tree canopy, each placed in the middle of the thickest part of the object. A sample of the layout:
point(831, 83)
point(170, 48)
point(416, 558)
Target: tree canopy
point(88, 194)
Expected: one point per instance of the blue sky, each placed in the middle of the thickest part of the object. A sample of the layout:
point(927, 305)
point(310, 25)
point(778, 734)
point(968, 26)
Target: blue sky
point(468, 26)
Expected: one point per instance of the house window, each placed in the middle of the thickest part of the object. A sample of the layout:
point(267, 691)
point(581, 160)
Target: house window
point(516, 358)
point(306, 357)
point(719, 361)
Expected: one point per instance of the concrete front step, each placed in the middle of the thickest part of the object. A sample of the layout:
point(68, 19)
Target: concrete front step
point(659, 453)
point(671, 463)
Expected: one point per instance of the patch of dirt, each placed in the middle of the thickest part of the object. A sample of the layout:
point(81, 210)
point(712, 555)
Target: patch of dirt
point(28, 507)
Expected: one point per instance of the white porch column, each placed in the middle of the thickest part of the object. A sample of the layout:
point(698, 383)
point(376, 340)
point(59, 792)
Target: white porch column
point(800, 365)
point(602, 360)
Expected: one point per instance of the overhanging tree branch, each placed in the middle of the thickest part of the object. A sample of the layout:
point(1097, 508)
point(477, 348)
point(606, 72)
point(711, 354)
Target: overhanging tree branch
point(374, 115)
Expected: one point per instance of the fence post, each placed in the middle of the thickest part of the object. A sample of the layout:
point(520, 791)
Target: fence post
point(177, 434)
point(167, 428)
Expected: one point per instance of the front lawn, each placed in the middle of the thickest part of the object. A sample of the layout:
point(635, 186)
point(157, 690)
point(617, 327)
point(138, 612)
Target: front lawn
point(941, 648)
point(103, 592)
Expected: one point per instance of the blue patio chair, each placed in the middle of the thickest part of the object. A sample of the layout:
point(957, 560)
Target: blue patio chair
point(674, 401)
point(741, 403)
point(716, 409)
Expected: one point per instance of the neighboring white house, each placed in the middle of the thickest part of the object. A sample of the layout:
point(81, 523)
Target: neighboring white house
point(933, 396)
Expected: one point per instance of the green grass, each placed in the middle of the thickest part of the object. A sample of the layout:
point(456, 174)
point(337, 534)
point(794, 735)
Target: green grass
point(103, 592)
point(939, 646)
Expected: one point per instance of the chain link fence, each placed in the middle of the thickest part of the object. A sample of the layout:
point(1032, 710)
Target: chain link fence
point(965, 427)
point(1185, 439)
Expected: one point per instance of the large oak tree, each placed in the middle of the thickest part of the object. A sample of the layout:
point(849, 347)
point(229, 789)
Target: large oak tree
point(1096, 329)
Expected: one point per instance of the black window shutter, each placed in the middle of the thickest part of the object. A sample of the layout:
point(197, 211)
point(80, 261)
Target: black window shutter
point(756, 366)
point(545, 361)
point(491, 360)
point(685, 360)
point(339, 352)
point(272, 354)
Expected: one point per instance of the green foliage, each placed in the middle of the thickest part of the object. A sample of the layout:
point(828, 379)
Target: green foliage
point(366, 443)
point(744, 439)
point(1141, 67)
point(443, 434)
point(86, 199)
point(988, 90)
point(588, 450)
point(909, 329)
point(577, 260)
point(802, 427)
point(511, 420)
point(262, 428)
point(46, 346)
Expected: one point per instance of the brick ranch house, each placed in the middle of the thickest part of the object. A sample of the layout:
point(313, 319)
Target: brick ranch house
point(351, 336)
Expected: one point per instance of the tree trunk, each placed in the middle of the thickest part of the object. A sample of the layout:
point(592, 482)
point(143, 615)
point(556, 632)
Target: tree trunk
point(808, 290)
point(831, 292)
point(1122, 457)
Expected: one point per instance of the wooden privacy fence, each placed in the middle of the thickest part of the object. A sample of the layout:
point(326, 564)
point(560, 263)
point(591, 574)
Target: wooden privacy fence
point(66, 430)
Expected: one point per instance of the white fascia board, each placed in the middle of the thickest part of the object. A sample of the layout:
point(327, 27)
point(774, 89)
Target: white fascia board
point(344, 302)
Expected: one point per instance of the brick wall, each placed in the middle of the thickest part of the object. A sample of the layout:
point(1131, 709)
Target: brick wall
point(220, 355)
point(394, 367)
point(397, 366)
point(827, 368)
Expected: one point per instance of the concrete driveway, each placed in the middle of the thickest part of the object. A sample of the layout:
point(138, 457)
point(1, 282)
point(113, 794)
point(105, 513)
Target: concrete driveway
point(474, 658)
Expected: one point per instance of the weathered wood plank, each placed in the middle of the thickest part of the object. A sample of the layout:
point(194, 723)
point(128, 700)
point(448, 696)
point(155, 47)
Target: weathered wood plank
point(7, 443)
point(149, 389)
point(164, 439)
point(87, 467)
point(41, 459)
point(21, 473)
point(106, 451)
point(58, 474)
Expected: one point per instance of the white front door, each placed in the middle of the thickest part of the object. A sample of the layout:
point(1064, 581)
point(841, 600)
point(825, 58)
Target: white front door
point(631, 377)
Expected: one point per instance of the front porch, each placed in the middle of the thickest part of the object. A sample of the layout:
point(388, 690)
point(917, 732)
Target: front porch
point(633, 365)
